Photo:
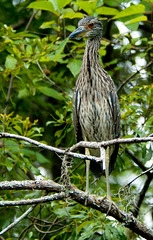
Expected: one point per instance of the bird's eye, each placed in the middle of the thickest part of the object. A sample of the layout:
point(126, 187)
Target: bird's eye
point(91, 25)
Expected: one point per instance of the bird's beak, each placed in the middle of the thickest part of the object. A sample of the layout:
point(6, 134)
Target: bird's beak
point(79, 32)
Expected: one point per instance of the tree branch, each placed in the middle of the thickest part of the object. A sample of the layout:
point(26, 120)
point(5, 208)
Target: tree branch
point(98, 203)
point(133, 75)
point(47, 185)
point(83, 144)
point(136, 160)
point(141, 174)
point(18, 220)
point(56, 196)
point(50, 148)
point(101, 204)
point(135, 211)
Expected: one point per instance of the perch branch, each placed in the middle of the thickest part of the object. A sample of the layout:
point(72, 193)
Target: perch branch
point(99, 203)
point(83, 144)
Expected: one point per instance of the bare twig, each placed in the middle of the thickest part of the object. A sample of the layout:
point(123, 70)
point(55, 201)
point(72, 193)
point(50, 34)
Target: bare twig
point(9, 93)
point(18, 220)
point(133, 75)
point(47, 185)
point(50, 148)
point(141, 174)
point(136, 160)
point(44, 73)
point(100, 203)
point(53, 197)
point(30, 20)
point(83, 144)
point(103, 205)
point(135, 211)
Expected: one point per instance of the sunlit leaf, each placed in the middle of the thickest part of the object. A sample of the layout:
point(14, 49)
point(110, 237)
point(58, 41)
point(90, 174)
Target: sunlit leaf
point(63, 3)
point(10, 62)
point(43, 5)
point(107, 11)
point(137, 19)
point(75, 67)
point(134, 9)
point(50, 92)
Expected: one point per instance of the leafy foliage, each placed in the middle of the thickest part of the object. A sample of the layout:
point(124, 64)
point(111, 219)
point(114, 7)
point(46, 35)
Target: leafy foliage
point(38, 68)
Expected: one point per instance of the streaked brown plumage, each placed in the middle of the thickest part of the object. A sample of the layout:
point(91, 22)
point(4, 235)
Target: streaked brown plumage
point(96, 111)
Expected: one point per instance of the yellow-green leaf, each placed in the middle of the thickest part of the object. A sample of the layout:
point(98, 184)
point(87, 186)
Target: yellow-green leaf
point(50, 92)
point(43, 5)
point(137, 19)
point(10, 62)
point(63, 3)
point(134, 9)
point(75, 67)
point(72, 15)
point(107, 11)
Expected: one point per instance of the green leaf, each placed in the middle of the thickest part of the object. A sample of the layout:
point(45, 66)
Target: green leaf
point(43, 5)
point(137, 19)
point(10, 62)
point(74, 67)
point(9, 164)
point(107, 11)
point(63, 3)
point(113, 3)
point(84, 224)
point(134, 9)
point(72, 15)
point(50, 92)
point(61, 48)
point(88, 7)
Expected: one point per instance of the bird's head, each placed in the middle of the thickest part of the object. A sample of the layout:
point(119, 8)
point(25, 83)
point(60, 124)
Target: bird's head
point(89, 27)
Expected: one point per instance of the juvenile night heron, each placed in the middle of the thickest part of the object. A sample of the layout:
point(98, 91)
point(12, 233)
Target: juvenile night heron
point(96, 111)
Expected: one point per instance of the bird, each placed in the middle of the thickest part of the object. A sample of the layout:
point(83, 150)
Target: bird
point(96, 109)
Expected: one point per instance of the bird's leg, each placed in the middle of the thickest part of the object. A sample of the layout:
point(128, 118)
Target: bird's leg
point(104, 155)
point(107, 182)
point(107, 173)
point(87, 152)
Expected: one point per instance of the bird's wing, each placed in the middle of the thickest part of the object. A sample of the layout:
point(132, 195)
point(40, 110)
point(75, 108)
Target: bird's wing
point(77, 127)
point(115, 111)
point(116, 118)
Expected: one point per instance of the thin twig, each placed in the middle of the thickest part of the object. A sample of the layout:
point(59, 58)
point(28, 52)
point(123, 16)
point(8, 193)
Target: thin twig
point(8, 93)
point(141, 174)
point(18, 220)
point(44, 73)
point(53, 197)
point(50, 148)
point(103, 205)
point(133, 75)
point(136, 160)
point(56, 230)
point(83, 144)
point(135, 211)
point(30, 20)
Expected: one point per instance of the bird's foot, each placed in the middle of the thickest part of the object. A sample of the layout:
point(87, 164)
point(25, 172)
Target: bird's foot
point(112, 204)
point(86, 197)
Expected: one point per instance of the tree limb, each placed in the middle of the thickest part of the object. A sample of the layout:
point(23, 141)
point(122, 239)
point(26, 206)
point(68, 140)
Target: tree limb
point(99, 203)
point(133, 75)
point(56, 196)
point(83, 144)
point(136, 160)
point(135, 211)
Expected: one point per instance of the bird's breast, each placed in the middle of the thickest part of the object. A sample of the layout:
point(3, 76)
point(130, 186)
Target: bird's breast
point(95, 115)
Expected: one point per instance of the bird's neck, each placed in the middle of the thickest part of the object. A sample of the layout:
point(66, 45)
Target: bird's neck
point(91, 54)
